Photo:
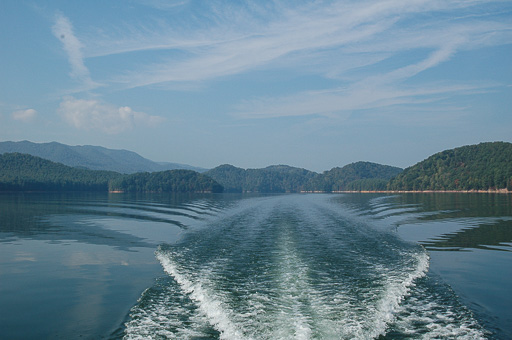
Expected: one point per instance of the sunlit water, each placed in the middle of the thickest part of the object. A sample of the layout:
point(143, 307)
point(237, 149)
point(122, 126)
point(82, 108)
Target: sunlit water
point(255, 267)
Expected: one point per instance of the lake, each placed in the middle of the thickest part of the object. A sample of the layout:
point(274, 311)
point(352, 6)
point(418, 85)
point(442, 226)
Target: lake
point(228, 266)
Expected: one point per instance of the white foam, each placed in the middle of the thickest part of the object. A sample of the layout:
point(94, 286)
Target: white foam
point(395, 292)
point(160, 315)
point(432, 317)
point(286, 296)
point(208, 304)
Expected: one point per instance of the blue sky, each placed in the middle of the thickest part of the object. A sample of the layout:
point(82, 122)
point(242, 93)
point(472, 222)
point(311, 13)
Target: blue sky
point(313, 84)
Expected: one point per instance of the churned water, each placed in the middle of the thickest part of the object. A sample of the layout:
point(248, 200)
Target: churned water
point(297, 267)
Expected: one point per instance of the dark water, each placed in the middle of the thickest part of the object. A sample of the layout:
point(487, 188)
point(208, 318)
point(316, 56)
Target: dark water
point(256, 267)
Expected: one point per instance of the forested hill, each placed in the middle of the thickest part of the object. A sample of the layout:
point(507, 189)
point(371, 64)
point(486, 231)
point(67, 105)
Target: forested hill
point(91, 157)
point(22, 172)
point(486, 166)
point(275, 178)
point(166, 181)
point(359, 176)
point(474, 167)
point(282, 178)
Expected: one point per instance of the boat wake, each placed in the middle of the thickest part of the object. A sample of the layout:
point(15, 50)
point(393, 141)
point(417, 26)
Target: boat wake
point(296, 267)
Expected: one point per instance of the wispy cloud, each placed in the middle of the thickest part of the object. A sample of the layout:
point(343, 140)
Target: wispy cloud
point(89, 114)
point(96, 115)
point(344, 101)
point(25, 116)
point(231, 39)
point(228, 49)
point(63, 30)
point(371, 48)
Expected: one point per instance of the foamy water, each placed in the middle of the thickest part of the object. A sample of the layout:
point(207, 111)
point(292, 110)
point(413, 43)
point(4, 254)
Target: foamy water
point(296, 267)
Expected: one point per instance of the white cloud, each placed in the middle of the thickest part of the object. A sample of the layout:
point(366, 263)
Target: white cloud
point(63, 30)
point(95, 115)
point(232, 39)
point(24, 115)
point(371, 47)
point(344, 101)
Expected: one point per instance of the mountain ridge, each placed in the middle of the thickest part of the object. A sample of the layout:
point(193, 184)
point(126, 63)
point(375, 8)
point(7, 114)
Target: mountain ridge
point(92, 157)
point(482, 167)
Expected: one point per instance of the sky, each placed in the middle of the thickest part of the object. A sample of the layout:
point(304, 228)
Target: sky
point(313, 84)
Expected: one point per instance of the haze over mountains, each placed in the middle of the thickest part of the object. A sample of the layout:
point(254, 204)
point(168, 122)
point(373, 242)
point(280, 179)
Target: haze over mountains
point(92, 157)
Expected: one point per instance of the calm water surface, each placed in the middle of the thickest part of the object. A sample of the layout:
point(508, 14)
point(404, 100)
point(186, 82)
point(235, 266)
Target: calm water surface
point(359, 266)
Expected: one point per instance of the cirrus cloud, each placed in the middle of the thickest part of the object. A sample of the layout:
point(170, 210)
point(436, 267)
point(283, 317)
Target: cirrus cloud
point(328, 38)
point(90, 114)
point(63, 30)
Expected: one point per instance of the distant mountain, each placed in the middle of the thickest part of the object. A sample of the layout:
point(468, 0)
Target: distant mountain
point(275, 178)
point(486, 166)
point(354, 177)
point(473, 167)
point(92, 157)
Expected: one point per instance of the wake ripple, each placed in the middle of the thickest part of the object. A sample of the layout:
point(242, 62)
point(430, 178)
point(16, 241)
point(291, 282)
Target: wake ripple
point(292, 267)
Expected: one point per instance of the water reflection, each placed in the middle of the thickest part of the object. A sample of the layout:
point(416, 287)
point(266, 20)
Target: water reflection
point(72, 265)
point(458, 220)
point(492, 236)
point(88, 217)
point(457, 205)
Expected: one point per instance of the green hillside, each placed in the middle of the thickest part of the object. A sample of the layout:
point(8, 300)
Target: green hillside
point(282, 178)
point(272, 179)
point(474, 167)
point(359, 176)
point(21, 172)
point(486, 166)
point(166, 181)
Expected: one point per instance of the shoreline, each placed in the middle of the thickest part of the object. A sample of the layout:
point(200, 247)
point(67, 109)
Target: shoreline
point(489, 191)
point(473, 191)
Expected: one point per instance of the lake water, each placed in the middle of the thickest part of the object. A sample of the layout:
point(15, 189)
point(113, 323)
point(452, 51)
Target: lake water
point(348, 266)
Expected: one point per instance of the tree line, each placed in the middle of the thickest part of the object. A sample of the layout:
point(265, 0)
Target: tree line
point(273, 179)
point(359, 176)
point(165, 181)
point(486, 166)
point(23, 172)
point(475, 167)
